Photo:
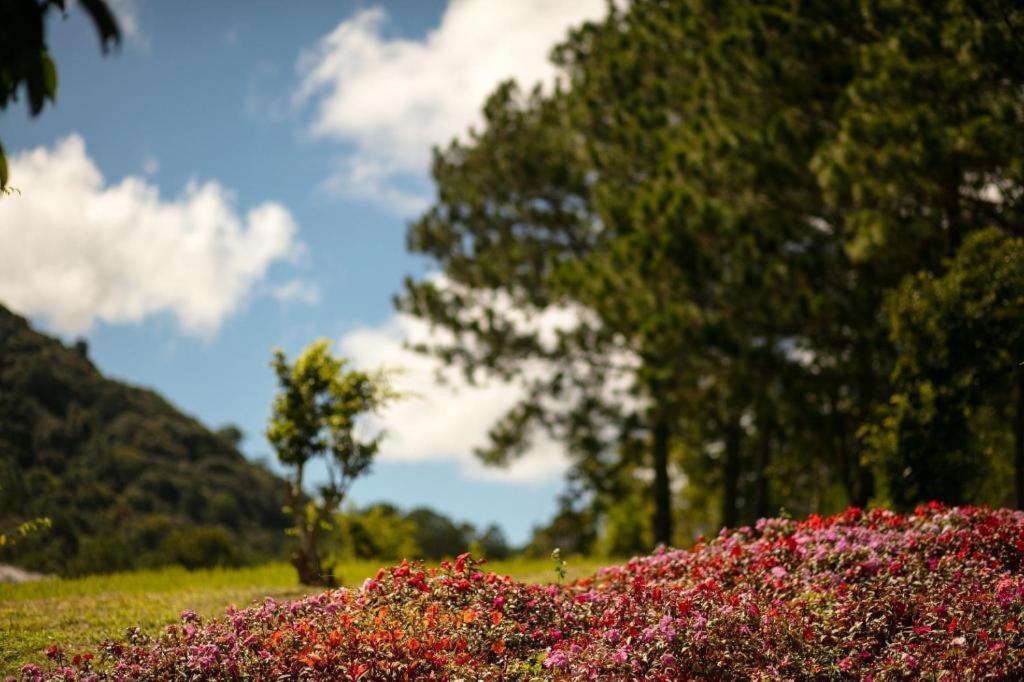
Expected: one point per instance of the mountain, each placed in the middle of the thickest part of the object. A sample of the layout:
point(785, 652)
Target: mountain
point(127, 480)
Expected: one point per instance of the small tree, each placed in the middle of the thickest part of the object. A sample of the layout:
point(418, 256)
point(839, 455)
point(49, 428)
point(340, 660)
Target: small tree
point(314, 415)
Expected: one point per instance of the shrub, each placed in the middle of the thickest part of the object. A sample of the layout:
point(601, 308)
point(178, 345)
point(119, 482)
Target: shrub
point(937, 594)
point(201, 547)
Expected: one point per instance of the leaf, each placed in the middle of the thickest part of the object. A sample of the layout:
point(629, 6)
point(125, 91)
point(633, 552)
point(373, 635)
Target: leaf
point(103, 18)
point(49, 75)
point(35, 84)
point(3, 168)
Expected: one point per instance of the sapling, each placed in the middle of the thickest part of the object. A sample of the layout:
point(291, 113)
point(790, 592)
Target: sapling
point(315, 415)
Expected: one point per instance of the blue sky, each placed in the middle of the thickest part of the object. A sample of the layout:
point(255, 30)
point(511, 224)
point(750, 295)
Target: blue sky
point(238, 177)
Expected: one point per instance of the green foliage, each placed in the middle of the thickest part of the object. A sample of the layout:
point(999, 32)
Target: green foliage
point(625, 531)
point(383, 532)
point(22, 530)
point(201, 547)
point(232, 434)
point(490, 544)
point(572, 531)
point(961, 342)
point(380, 532)
point(723, 194)
point(314, 415)
point(438, 536)
point(115, 468)
point(560, 565)
point(25, 61)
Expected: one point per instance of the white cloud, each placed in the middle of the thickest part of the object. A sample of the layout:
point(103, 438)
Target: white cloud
point(296, 291)
point(74, 249)
point(389, 100)
point(443, 421)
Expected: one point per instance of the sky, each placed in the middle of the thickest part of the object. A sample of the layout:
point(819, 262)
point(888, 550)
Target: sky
point(238, 177)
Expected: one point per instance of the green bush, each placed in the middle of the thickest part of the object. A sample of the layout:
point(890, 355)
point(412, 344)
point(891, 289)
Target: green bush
point(201, 547)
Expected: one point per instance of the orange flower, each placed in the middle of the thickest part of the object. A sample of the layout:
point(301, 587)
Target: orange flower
point(498, 647)
point(469, 616)
point(495, 617)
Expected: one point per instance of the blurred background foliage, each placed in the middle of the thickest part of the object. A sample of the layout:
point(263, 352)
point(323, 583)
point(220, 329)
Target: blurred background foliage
point(126, 480)
point(789, 234)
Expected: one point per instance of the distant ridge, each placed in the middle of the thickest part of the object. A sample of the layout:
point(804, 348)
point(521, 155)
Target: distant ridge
point(126, 478)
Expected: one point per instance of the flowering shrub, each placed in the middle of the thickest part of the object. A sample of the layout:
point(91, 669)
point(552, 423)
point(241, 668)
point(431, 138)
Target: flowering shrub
point(938, 594)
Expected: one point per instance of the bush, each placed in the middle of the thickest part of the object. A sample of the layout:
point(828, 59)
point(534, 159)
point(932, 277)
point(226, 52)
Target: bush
point(937, 594)
point(201, 547)
point(377, 532)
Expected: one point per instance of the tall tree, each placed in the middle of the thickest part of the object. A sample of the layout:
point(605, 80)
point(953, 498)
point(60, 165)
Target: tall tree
point(630, 194)
point(926, 150)
point(723, 193)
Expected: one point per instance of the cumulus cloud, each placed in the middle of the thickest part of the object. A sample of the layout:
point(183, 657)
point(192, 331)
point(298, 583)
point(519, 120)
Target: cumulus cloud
point(443, 420)
point(390, 99)
point(75, 249)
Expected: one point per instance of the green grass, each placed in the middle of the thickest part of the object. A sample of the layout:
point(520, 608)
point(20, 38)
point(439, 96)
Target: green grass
point(80, 613)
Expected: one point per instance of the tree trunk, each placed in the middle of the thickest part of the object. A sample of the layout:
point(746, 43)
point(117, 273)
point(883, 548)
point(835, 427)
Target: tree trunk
point(307, 560)
point(866, 392)
point(731, 473)
point(662, 489)
point(764, 453)
point(1018, 441)
point(306, 557)
point(843, 454)
point(865, 486)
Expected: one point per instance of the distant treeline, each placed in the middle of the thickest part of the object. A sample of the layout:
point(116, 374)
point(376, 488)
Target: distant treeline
point(382, 531)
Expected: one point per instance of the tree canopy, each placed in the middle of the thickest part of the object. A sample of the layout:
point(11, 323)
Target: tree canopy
point(722, 197)
point(314, 416)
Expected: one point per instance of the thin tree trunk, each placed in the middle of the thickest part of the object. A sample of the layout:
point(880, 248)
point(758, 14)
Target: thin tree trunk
point(1018, 441)
point(866, 389)
point(731, 474)
point(764, 453)
point(662, 489)
point(865, 486)
point(306, 558)
point(843, 454)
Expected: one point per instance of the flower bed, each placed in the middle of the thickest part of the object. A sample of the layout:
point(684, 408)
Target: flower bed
point(938, 594)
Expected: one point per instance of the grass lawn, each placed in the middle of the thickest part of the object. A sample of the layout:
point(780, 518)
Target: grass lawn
point(82, 612)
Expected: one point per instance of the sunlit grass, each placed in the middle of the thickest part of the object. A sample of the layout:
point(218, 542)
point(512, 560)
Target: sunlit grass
point(82, 612)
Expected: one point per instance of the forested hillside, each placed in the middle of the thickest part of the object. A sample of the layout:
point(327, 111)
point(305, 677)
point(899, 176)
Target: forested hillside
point(126, 479)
